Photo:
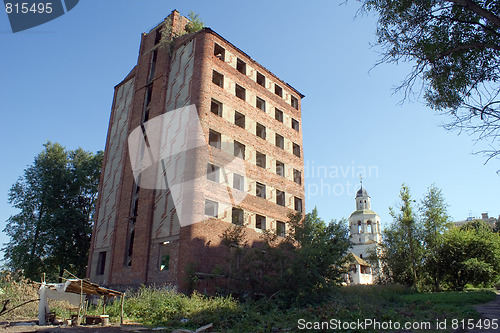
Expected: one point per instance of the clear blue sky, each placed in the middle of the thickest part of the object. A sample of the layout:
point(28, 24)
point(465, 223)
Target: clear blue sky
point(57, 84)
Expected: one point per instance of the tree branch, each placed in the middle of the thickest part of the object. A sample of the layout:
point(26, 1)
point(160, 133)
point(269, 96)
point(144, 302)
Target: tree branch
point(473, 6)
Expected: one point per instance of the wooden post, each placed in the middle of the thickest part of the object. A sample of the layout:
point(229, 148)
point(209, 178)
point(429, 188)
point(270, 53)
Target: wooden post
point(121, 308)
point(81, 301)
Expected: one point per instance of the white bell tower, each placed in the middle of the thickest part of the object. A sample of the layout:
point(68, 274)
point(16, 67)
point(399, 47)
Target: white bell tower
point(364, 225)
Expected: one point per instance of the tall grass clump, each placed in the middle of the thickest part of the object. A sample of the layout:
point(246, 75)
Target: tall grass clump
point(163, 306)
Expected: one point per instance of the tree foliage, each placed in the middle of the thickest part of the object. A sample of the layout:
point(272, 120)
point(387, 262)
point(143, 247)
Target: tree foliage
point(56, 198)
point(435, 221)
point(429, 252)
point(470, 255)
point(455, 48)
point(195, 22)
point(402, 243)
point(313, 253)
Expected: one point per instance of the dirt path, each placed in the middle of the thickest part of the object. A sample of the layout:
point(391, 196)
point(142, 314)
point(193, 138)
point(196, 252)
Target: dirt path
point(490, 311)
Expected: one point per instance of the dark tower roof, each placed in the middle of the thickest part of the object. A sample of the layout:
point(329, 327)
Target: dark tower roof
point(361, 193)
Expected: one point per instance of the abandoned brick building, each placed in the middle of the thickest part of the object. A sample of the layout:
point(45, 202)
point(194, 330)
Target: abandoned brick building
point(137, 237)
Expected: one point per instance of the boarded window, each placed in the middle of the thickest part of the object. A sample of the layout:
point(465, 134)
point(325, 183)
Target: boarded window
point(241, 66)
point(260, 160)
point(280, 198)
point(260, 222)
point(211, 208)
point(218, 79)
point(239, 119)
point(219, 52)
point(216, 107)
point(214, 139)
point(260, 190)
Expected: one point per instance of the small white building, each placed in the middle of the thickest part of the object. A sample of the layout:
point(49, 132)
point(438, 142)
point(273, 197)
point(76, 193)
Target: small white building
point(365, 234)
point(360, 272)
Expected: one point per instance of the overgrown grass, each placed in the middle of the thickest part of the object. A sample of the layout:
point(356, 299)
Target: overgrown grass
point(163, 307)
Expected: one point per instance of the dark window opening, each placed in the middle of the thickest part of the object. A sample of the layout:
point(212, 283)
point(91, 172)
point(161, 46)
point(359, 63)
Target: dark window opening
point(295, 102)
point(213, 172)
point(130, 249)
point(241, 66)
point(295, 124)
point(280, 141)
point(280, 168)
point(237, 216)
point(280, 228)
point(239, 119)
point(298, 204)
point(101, 263)
point(278, 115)
point(296, 150)
point(260, 104)
point(214, 139)
point(164, 257)
point(147, 103)
point(260, 131)
point(219, 52)
point(260, 190)
point(239, 149)
point(297, 176)
point(260, 160)
point(261, 79)
point(260, 222)
point(158, 36)
point(238, 182)
point(280, 198)
point(278, 90)
point(216, 107)
point(152, 65)
point(218, 79)
point(240, 92)
point(211, 208)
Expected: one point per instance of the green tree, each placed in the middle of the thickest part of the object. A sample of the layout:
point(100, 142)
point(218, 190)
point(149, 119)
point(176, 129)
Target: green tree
point(401, 253)
point(313, 252)
point(320, 255)
point(195, 23)
point(435, 220)
point(470, 255)
point(455, 48)
point(56, 198)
